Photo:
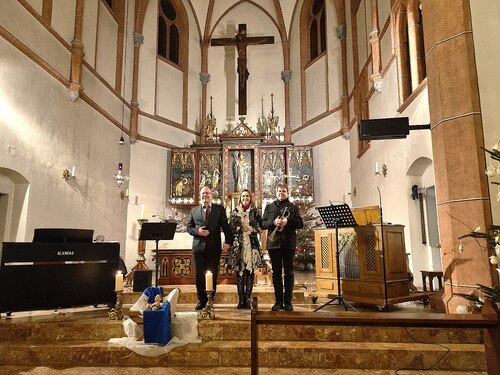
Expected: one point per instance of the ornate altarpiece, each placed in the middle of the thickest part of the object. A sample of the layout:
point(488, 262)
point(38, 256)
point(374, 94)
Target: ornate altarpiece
point(240, 159)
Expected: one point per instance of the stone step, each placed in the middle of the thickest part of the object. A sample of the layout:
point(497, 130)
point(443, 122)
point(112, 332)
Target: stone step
point(14, 370)
point(331, 355)
point(231, 324)
point(226, 296)
point(212, 330)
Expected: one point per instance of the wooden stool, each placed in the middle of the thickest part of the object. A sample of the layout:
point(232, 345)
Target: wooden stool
point(431, 275)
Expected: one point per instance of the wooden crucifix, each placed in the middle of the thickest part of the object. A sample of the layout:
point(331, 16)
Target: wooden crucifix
point(241, 41)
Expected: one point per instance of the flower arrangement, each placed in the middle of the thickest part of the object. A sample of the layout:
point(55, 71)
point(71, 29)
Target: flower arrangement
point(493, 170)
point(173, 215)
point(492, 237)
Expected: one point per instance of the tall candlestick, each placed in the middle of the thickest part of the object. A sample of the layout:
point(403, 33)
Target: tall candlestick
point(209, 281)
point(119, 281)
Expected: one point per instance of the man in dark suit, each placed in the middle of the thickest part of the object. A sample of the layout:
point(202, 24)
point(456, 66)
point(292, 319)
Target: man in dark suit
point(205, 224)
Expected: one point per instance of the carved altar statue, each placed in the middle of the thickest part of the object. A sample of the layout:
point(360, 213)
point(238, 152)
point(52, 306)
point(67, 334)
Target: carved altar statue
point(241, 171)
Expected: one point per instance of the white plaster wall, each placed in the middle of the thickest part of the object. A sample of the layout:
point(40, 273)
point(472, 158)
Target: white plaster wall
point(107, 38)
point(164, 132)
point(320, 129)
point(14, 17)
point(49, 134)
point(63, 18)
point(149, 175)
point(147, 57)
point(334, 61)
point(349, 53)
point(386, 49)
point(36, 5)
point(89, 30)
point(332, 179)
point(485, 23)
point(169, 91)
point(99, 93)
point(384, 10)
point(194, 84)
point(316, 90)
point(362, 18)
point(295, 82)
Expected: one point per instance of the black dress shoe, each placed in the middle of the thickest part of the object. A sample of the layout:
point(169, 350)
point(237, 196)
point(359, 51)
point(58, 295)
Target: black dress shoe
point(277, 307)
point(200, 305)
point(288, 306)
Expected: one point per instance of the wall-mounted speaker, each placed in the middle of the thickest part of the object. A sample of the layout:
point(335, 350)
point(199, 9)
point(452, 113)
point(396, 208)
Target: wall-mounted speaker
point(142, 280)
point(384, 128)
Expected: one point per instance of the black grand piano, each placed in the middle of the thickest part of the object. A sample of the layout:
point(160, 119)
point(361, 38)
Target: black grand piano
point(61, 268)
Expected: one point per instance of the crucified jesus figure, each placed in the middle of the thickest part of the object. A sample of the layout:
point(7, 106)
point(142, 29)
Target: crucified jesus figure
point(241, 47)
point(241, 41)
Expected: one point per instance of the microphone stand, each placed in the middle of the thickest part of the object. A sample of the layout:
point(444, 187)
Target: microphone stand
point(386, 307)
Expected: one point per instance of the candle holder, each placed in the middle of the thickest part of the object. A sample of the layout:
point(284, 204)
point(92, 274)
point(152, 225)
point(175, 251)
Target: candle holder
point(208, 311)
point(116, 312)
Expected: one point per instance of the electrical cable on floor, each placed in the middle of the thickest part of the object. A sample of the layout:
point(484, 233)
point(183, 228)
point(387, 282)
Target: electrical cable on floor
point(397, 372)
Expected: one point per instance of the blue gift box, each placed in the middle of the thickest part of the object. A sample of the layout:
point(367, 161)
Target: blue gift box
point(157, 325)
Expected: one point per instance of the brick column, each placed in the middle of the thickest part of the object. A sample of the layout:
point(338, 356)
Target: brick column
point(457, 135)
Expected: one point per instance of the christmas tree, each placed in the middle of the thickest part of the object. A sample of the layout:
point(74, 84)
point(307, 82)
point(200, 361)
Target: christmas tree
point(304, 253)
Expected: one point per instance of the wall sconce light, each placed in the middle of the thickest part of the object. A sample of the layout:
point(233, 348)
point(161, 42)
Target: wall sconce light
point(124, 194)
point(379, 172)
point(67, 175)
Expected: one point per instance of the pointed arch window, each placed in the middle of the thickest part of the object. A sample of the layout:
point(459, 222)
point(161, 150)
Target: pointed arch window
point(410, 48)
point(317, 29)
point(168, 31)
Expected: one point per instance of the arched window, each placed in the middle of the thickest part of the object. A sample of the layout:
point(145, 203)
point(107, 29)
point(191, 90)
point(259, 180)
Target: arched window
point(168, 31)
point(317, 29)
point(410, 47)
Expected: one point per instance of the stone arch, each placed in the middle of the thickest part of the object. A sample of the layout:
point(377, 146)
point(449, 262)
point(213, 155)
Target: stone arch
point(14, 198)
point(425, 253)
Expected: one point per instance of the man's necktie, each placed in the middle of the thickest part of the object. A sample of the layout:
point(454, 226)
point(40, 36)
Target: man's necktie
point(207, 214)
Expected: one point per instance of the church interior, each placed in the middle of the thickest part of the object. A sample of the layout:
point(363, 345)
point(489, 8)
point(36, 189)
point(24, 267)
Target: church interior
point(115, 113)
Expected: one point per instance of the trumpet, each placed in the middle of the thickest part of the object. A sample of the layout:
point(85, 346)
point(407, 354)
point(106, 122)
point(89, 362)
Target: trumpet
point(285, 213)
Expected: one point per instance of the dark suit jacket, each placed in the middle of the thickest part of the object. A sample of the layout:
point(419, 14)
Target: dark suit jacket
point(217, 221)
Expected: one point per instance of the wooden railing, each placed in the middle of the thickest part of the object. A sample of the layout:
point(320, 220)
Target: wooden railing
point(488, 321)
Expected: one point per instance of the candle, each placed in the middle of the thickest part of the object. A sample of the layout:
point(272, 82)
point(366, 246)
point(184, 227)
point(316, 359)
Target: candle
point(119, 281)
point(143, 211)
point(73, 171)
point(377, 170)
point(209, 281)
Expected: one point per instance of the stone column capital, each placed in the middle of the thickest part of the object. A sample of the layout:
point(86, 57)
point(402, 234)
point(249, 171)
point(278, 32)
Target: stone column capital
point(341, 31)
point(138, 39)
point(286, 75)
point(204, 78)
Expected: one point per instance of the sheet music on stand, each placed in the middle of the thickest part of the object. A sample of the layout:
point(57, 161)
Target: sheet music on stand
point(339, 216)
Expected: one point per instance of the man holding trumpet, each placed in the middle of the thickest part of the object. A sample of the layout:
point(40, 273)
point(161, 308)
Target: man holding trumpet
point(282, 219)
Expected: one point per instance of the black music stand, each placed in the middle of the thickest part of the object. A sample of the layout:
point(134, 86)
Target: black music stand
point(157, 232)
point(339, 216)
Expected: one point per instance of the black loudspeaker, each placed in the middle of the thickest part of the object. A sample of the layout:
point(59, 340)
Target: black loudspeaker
point(384, 128)
point(142, 280)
